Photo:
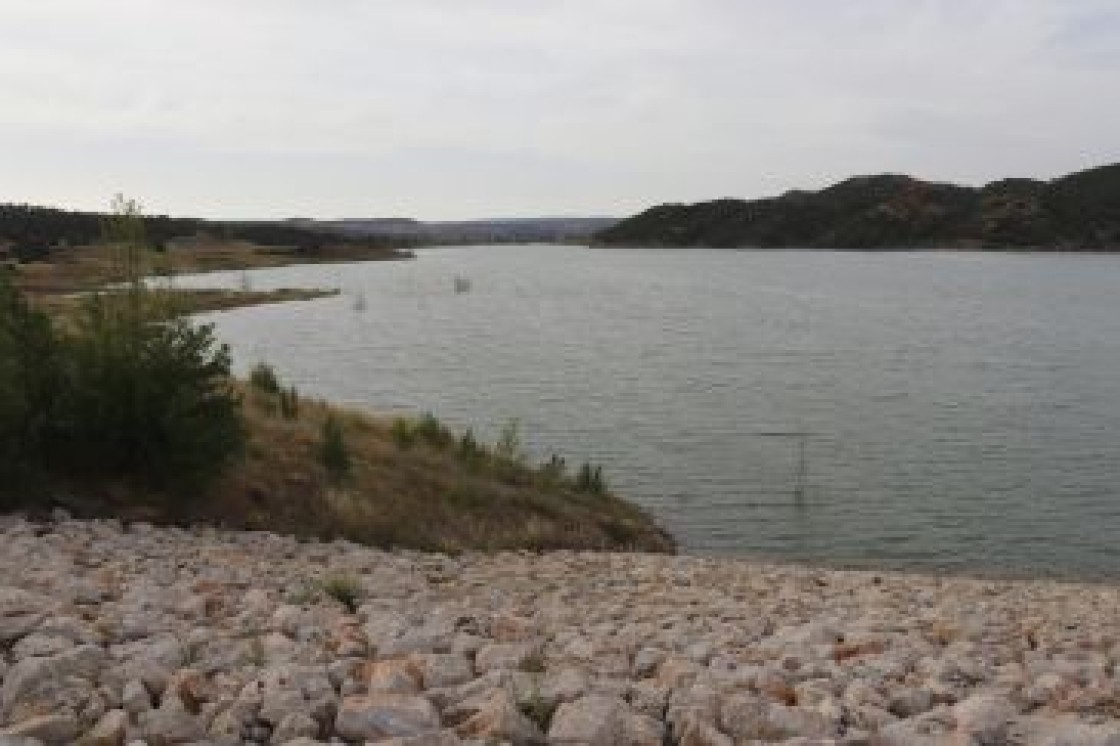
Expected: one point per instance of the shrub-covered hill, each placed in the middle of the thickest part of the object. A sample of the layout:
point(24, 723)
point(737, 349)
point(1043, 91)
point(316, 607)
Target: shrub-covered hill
point(1076, 212)
point(34, 232)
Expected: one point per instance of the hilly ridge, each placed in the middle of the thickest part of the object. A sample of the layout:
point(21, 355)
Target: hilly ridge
point(503, 230)
point(1080, 211)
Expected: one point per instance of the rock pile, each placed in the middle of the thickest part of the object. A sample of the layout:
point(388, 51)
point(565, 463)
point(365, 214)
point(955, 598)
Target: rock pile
point(112, 635)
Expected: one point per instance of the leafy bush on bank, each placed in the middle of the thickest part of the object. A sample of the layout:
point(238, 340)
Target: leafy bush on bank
point(127, 392)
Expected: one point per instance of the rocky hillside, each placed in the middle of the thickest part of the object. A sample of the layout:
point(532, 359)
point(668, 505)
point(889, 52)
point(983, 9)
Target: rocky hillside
point(112, 634)
point(1076, 212)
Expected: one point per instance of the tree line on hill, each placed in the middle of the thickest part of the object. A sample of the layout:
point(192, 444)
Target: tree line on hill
point(1080, 211)
point(31, 232)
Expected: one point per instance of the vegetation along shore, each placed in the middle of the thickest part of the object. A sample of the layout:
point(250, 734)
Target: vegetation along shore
point(116, 403)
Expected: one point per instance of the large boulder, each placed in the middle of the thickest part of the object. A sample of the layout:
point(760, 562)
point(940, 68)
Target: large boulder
point(381, 715)
point(499, 719)
point(44, 685)
point(171, 724)
point(509, 656)
point(20, 613)
point(55, 729)
point(109, 731)
point(439, 670)
point(593, 720)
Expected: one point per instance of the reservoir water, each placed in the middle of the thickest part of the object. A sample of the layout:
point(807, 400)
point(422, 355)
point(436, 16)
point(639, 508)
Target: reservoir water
point(960, 411)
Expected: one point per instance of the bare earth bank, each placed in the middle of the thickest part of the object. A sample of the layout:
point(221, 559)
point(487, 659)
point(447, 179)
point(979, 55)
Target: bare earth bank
point(164, 636)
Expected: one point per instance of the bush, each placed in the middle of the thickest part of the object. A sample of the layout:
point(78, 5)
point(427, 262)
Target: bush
point(263, 378)
point(346, 589)
point(129, 393)
point(289, 403)
point(590, 479)
point(30, 383)
point(147, 401)
point(402, 433)
point(469, 450)
point(433, 432)
point(333, 452)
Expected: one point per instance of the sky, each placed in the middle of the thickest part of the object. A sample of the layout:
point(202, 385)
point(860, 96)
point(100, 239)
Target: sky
point(454, 109)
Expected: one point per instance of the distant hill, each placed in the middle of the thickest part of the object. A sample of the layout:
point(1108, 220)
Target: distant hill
point(511, 230)
point(1076, 212)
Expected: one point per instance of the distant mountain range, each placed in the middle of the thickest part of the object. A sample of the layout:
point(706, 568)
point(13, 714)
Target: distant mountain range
point(512, 230)
point(1076, 212)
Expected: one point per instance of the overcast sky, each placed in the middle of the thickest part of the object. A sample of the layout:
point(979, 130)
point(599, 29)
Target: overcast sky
point(442, 109)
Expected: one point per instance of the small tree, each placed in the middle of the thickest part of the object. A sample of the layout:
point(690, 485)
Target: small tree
point(153, 403)
point(590, 479)
point(263, 378)
point(148, 395)
point(333, 453)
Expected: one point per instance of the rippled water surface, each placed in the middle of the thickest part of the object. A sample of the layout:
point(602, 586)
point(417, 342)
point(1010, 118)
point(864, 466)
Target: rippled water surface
point(962, 410)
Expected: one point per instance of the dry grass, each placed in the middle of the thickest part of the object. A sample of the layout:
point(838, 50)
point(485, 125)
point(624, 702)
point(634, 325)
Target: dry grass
point(420, 496)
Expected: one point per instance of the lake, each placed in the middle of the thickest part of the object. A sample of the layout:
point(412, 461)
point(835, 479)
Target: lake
point(960, 411)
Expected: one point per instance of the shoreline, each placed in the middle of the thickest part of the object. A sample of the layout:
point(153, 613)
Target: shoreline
point(178, 635)
point(984, 574)
point(53, 285)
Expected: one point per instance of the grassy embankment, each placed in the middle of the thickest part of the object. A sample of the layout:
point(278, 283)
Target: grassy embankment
point(412, 483)
point(406, 483)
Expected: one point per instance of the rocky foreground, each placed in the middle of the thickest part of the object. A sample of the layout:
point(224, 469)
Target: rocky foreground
point(163, 636)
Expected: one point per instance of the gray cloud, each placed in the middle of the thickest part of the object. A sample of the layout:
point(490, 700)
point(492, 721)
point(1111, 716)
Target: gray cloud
point(445, 108)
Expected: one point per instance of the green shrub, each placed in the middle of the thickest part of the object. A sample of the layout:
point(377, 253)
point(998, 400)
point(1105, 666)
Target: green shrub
point(289, 403)
point(263, 378)
point(590, 479)
point(469, 450)
point(433, 432)
point(346, 589)
point(30, 386)
point(129, 392)
point(402, 432)
point(120, 396)
point(333, 451)
point(540, 710)
point(147, 401)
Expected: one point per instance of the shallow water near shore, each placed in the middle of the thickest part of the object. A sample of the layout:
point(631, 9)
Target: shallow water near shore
point(961, 410)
